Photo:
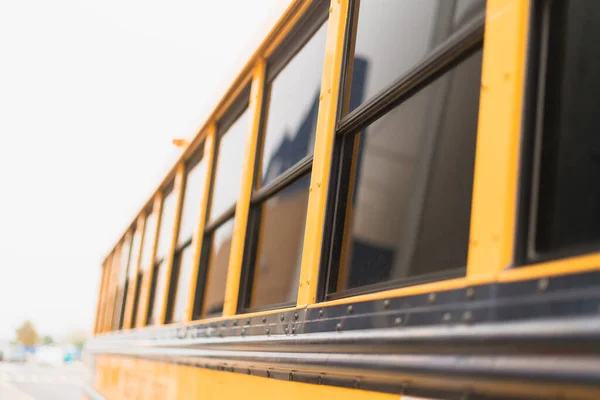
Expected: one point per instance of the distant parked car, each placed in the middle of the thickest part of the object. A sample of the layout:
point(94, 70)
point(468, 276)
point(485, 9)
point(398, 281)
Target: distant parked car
point(49, 355)
point(16, 354)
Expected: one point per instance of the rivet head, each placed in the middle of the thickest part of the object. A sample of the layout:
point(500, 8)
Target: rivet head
point(338, 327)
point(248, 321)
point(320, 380)
point(467, 316)
point(235, 323)
point(268, 374)
point(431, 298)
point(243, 331)
point(398, 321)
point(386, 303)
point(470, 293)
point(264, 319)
point(296, 316)
point(281, 317)
point(320, 313)
point(268, 331)
point(291, 376)
point(249, 371)
point(286, 330)
point(447, 317)
point(350, 309)
point(543, 284)
point(293, 329)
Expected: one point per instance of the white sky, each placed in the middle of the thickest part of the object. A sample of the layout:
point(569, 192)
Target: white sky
point(91, 94)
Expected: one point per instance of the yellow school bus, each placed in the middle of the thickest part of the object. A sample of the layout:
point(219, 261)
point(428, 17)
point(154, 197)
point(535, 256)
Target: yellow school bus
point(394, 199)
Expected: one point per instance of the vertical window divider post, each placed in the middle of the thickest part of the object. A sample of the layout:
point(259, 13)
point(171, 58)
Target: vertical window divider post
point(178, 192)
point(234, 270)
point(147, 279)
point(130, 295)
point(324, 138)
point(198, 235)
point(492, 232)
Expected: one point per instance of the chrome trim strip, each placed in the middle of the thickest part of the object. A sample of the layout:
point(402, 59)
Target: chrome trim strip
point(490, 334)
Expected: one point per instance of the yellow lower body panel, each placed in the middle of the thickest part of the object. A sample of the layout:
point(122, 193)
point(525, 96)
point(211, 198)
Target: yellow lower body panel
point(119, 377)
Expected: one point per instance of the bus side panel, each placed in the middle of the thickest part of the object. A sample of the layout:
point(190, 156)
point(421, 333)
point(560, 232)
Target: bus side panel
point(119, 377)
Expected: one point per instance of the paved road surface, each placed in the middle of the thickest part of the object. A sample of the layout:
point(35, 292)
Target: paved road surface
point(39, 382)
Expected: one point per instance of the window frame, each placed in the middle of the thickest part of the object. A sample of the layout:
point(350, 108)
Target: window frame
point(465, 41)
point(193, 161)
point(302, 32)
point(157, 264)
point(532, 139)
point(235, 110)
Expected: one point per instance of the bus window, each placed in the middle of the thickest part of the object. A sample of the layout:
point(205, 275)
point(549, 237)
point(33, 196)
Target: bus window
point(279, 203)
point(402, 213)
point(419, 25)
point(145, 260)
point(122, 284)
point(133, 276)
point(195, 176)
point(159, 275)
point(566, 195)
point(216, 245)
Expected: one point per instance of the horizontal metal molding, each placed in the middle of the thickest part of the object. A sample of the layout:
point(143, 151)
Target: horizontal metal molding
point(543, 331)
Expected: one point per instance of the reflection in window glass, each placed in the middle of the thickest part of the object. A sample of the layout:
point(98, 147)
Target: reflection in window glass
point(413, 186)
point(292, 109)
point(279, 254)
point(228, 173)
point(423, 24)
point(166, 225)
point(149, 234)
point(157, 293)
point(135, 254)
point(569, 193)
point(182, 287)
point(192, 199)
point(217, 269)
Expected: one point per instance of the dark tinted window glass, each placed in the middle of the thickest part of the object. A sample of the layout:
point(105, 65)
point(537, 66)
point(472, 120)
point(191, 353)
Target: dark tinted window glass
point(194, 190)
point(167, 220)
point(279, 255)
point(149, 235)
point(414, 176)
point(228, 170)
point(217, 268)
point(183, 280)
point(292, 109)
point(393, 36)
point(569, 193)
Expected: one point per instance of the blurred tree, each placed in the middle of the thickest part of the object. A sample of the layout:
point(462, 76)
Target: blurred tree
point(27, 334)
point(47, 340)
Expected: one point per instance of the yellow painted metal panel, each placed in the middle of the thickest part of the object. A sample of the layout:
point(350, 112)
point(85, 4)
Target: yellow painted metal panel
point(243, 203)
point(129, 378)
point(209, 155)
point(324, 137)
point(147, 279)
point(500, 115)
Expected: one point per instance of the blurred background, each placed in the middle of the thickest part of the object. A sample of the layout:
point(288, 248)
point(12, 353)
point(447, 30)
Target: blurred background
point(91, 95)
